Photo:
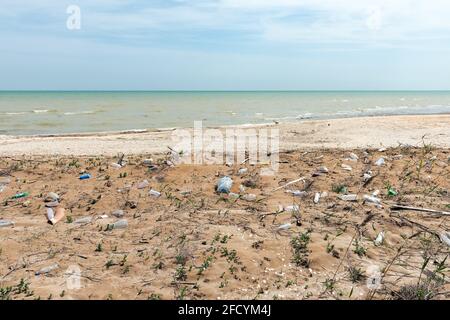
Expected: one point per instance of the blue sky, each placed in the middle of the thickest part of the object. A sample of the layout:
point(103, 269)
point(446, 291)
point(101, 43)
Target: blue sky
point(226, 45)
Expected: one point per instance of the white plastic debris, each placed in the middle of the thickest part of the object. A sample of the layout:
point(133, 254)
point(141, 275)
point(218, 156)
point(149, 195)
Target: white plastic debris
point(242, 171)
point(382, 149)
point(50, 214)
point(233, 195)
point(349, 197)
point(249, 197)
point(104, 216)
point(297, 193)
point(51, 197)
point(6, 223)
point(376, 193)
point(2, 188)
point(445, 238)
point(323, 169)
point(143, 184)
point(118, 213)
point(380, 162)
point(372, 199)
point(84, 220)
point(116, 165)
point(121, 224)
point(52, 204)
point(285, 226)
point(154, 193)
point(47, 269)
point(346, 167)
point(317, 197)
point(353, 156)
point(379, 240)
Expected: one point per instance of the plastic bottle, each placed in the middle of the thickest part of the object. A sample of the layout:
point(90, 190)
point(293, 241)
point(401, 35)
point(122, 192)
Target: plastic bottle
point(154, 193)
point(6, 223)
point(118, 213)
point(143, 184)
point(20, 195)
point(121, 224)
point(47, 269)
point(85, 176)
point(224, 185)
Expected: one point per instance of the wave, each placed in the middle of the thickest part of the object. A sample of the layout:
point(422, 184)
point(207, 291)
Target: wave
point(79, 113)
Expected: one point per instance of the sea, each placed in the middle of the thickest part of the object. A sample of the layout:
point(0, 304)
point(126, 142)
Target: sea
point(63, 112)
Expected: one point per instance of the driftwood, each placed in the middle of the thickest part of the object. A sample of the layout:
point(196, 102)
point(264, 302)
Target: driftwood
point(400, 207)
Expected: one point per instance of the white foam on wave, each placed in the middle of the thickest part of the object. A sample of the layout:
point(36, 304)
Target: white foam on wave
point(78, 113)
point(40, 111)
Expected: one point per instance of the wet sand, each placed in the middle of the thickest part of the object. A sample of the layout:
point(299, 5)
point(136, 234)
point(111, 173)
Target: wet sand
point(312, 134)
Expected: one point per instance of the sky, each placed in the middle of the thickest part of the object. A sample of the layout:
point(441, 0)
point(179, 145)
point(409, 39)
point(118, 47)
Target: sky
point(225, 45)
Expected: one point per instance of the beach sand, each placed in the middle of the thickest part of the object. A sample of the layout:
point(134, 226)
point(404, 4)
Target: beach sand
point(336, 133)
point(192, 243)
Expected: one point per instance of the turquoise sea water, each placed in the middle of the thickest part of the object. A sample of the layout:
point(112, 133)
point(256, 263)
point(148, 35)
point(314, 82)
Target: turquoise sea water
point(51, 112)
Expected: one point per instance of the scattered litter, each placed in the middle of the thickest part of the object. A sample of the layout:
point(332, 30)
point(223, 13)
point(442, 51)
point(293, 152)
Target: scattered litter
point(242, 171)
point(59, 214)
point(121, 224)
point(285, 226)
point(249, 197)
point(241, 188)
point(154, 193)
point(116, 165)
point(224, 185)
point(104, 216)
point(6, 223)
point(84, 220)
point(379, 240)
point(376, 193)
point(353, 156)
point(349, 197)
point(148, 162)
point(372, 199)
point(118, 213)
point(2, 188)
point(233, 195)
point(85, 176)
point(366, 177)
point(392, 192)
point(52, 204)
point(50, 214)
point(445, 238)
point(297, 193)
point(143, 184)
point(382, 149)
point(48, 269)
point(317, 197)
point(380, 162)
point(323, 169)
point(320, 171)
point(293, 208)
point(20, 195)
point(4, 180)
point(26, 204)
point(346, 167)
point(51, 196)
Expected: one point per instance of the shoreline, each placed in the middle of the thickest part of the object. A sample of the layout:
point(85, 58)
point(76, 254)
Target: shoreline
point(355, 133)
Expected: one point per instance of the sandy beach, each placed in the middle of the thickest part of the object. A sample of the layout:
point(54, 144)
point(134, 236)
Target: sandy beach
point(311, 134)
point(328, 235)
